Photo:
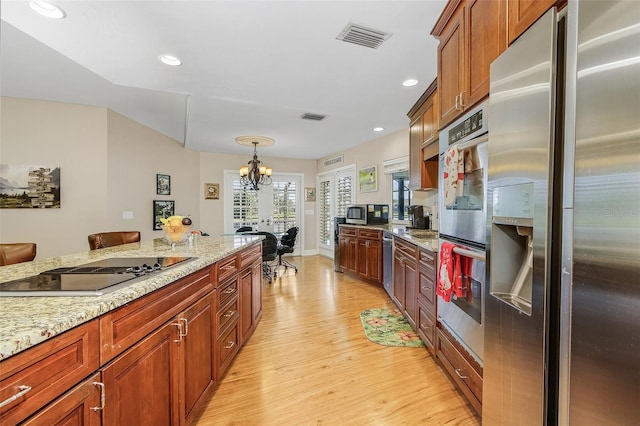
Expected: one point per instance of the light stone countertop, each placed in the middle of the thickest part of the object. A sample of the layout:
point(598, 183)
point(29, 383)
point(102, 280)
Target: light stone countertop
point(27, 321)
point(423, 238)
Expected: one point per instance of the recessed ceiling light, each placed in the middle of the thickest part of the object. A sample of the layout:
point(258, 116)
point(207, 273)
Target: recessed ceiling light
point(171, 60)
point(378, 129)
point(410, 82)
point(47, 9)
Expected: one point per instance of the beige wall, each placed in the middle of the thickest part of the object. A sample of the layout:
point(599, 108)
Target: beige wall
point(108, 166)
point(212, 167)
point(73, 137)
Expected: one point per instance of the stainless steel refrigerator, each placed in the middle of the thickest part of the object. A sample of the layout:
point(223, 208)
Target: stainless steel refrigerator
point(562, 319)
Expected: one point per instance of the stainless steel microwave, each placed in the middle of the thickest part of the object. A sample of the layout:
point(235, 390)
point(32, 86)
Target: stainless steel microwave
point(368, 214)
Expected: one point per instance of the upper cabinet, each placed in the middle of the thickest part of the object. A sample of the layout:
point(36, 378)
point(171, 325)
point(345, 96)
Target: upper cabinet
point(523, 13)
point(472, 34)
point(423, 141)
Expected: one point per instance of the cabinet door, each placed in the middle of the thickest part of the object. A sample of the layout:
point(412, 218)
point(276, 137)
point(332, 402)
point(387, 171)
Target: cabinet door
point(398, 293)
point(523, 13)
point(415, 155)
point(256, 293)
point(78, 407)
point(374, 261)
point(430, 120)
point(348, 254)
point(450, 69)
point(411, 292)
point(246, 302)
point(485, 39)
point(197, 344)
point(142, 385)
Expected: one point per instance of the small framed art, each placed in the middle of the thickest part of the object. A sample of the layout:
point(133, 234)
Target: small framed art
point(211, 191)
point(162, 209)
point(163, 184)
point(309, 194)
point(368, 179)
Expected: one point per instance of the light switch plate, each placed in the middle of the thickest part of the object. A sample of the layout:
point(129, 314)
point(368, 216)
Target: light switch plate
point(127, 215)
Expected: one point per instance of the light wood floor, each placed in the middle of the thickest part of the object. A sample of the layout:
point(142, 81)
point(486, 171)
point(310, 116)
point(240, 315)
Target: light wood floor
point(309, 363)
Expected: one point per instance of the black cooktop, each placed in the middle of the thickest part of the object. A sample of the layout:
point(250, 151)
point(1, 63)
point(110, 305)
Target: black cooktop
point(90, 279)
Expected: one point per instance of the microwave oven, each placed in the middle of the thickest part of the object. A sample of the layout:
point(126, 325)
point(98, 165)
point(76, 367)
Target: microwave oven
point(368, 214)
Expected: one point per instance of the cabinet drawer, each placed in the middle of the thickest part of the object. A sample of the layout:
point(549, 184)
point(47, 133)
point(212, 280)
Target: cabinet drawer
point(227, 291)
point(426, 326)
point(427, 288)
point(227, 348)
point(123, 327)
point(44, 372)
point(370, 234)
point(227, 267)
point(225, 316)
point(468, 379)
point(249, 255)
point(408, 249)
point(427, 260)
point(348, 231)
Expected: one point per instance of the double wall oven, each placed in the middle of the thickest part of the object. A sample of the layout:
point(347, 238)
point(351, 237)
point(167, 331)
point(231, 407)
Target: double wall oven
point(463, 215)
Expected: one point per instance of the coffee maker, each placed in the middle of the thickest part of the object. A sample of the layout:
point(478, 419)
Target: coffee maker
point(417, 217)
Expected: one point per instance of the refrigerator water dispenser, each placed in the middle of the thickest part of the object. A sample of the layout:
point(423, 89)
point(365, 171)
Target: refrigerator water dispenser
point(512, 246)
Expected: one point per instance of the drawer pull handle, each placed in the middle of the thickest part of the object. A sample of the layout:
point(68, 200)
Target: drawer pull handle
point(458, 370)
point(186, 327)
point(228, 314)
point(23, 391)
point(230, 290)
point(102, 396)
point(230, 345)
point(180, 333)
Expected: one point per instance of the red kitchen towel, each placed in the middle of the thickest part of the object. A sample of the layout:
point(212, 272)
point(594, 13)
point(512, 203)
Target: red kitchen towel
point(451, 175)
point(446, 271)
point(462, 272)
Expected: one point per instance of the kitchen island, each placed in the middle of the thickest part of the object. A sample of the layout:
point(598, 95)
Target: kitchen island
point(163, 341)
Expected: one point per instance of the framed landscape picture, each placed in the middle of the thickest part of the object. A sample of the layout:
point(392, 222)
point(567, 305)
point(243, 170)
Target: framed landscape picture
point(368, 179)
point(162, 209)
point(163, 184)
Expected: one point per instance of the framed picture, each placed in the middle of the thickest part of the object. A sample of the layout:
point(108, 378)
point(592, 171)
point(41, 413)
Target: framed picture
point(309, 194)
point(368, 179)
point(29, 187)
point(163, 184)
point(162, 208)
point(211, 191)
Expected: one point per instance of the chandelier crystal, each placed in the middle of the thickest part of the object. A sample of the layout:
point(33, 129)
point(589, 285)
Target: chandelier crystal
point(255, 173)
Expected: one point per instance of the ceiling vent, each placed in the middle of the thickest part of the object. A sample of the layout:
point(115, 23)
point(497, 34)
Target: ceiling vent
point(363, 36)
point(315, 117)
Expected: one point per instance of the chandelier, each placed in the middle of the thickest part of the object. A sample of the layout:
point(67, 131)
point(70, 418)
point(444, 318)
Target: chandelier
point(255, 173)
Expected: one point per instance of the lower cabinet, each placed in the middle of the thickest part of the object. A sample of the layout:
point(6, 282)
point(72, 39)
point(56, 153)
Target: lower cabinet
point(461, 367)
point(153, 361)
point(405, 276)
point(361, 252)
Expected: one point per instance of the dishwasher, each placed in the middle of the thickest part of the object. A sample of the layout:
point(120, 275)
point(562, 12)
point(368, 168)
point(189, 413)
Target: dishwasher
point(387, 262)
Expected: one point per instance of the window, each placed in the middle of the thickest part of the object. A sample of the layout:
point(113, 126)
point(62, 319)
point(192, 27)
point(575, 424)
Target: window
point(400, 195)
point(245, 206)
point(284, 205)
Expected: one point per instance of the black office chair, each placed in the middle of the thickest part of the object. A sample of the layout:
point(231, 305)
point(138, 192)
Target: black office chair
point(269, 253)
point(285, 246)
point(245, 229)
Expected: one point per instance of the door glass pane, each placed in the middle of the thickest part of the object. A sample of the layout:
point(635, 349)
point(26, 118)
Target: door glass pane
point(343, 194)
point(284, 205)
point(324, 205)
point(245, 206)
point(400, 195)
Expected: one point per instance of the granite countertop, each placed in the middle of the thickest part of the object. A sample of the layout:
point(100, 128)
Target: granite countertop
point(27, 321)
point(423, 238)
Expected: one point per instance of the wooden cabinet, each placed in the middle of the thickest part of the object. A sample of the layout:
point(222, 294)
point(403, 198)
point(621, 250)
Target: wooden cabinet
point(81, 406)
point(152, 361)
point(464, 370)
point(361, 252)
point(405, 279)
point(369, 253)
point(36, 377)
point(472, 34)
point(423, 141)
point(523, 13)
point(142, 386)
point(427, 306)
point(250, 298)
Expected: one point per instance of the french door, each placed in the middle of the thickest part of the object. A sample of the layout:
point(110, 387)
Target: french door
point(335, 192)
point(273, 208)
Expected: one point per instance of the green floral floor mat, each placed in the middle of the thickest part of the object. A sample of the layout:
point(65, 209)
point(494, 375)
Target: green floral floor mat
point(389, 328)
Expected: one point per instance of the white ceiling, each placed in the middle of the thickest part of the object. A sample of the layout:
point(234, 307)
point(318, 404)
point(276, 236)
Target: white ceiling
point(249, 67)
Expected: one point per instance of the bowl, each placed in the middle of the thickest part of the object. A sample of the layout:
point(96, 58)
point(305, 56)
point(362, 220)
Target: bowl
point(176, 233)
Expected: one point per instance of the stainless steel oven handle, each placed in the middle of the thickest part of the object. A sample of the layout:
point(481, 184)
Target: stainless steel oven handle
point(474, 142)
point(470, 253)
